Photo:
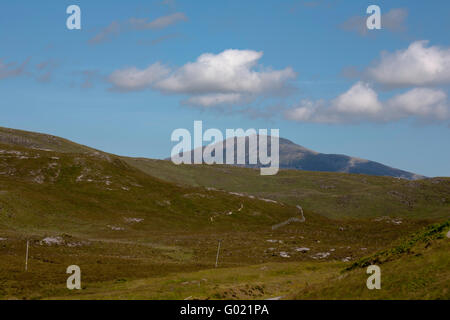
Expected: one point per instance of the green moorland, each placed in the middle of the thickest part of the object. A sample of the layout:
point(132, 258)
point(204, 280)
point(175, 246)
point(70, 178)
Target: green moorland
point(148, 231)
point(416, 267)
point(334, 195)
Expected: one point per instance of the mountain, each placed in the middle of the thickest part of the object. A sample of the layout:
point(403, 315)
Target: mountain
point(143, 228)
point(294, 156)
point(330, 194)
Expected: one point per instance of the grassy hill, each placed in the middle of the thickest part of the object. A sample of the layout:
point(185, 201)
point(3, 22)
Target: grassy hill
point(418, 267)
point(147, 228)
point(334, 195)
point(41, 141)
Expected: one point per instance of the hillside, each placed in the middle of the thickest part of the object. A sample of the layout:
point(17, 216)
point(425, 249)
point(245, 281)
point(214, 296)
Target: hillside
point(34, 140)
point(149, 227)
point(418, 267)
point(334, 195)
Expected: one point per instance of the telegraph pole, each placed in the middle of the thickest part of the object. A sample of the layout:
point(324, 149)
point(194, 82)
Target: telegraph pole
point(26, 257)
point(218, 250)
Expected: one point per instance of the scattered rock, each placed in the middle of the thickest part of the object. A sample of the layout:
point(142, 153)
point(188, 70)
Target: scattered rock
point(193, 195)
point(74, 244)
point(284, 254)
point(321, 255)
point(115, 228)
point(235, 194)
point(3, 239)
point(60, 241)
point(448, 234)
point(52, 241)
point(268, 200)
point(346, 259)
point(133, 220)
point(302, 249)
point(276, 298)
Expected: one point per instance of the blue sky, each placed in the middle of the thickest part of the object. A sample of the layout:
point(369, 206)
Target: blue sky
point(132, 74)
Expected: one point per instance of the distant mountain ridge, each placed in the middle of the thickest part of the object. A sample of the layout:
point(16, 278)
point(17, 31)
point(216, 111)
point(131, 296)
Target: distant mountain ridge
point(294, 156)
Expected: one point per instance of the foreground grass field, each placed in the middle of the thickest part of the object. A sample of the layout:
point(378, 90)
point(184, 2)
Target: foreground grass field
point(417, 267)
point(146, 229)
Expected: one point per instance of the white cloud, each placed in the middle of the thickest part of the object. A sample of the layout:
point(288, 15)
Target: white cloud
point(420, 102)
point(209, 100)
point(393, 20)
point(159, 23)
point(361, 104)
point(230, 71)
point(133, 79)
point(225, 78)
point(360, 99)
point(418, 65)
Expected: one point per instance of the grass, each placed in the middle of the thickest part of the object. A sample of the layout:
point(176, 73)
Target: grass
point(334, 195)
point(417, 268)
point(249, 282)
point(147, 229)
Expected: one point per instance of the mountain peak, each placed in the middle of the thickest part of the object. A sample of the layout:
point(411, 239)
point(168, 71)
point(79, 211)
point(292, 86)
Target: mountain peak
point(297, 157)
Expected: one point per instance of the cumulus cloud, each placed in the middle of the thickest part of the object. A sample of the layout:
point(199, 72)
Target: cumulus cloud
point(361, 104)
point(360, 99)
point(133, 79)
point(426, 103)
point(418, 65)
point(209, 100)
point(229, 77)
point(394, 20)
point(159, 23)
